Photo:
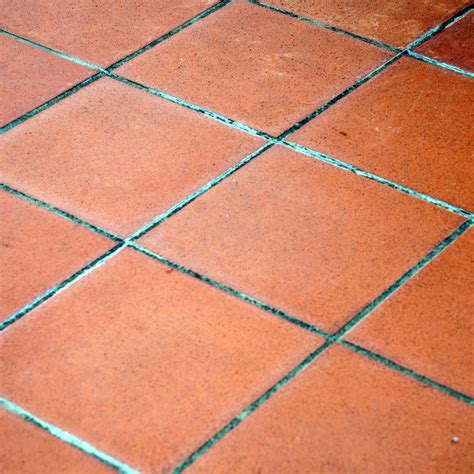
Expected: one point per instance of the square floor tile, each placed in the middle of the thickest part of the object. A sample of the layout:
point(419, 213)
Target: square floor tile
point(38, 251)
point(411, 124)
point(454, 45)
point(98, 32)
point(255, 66)
point(427, 325)
point(117, 156)
point(27, 449)
point(31, 77)
point(155, 361)
point(348, 414)
point(303, 236)
point(396, 22)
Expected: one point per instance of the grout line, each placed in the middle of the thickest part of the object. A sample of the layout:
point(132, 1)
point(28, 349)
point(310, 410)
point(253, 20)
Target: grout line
point(398, 187)
point(49, 103)
point(60, 213)
point(320, 24)
point(440, 64)
point(403, 279)
point(336, 338)
point(404, 370)
point(62, 286)
point(171, 33)
point(66, 437)
point(440, 27)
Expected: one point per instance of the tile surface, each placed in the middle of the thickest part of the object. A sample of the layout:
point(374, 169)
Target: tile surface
point(39, 250)
point(440, 299)
point(121, 156)
point(412, 125)
point(278, 231)
point(280, 69)
point(454, 46)
point(27, 449)
point(31, 77)
point(348, 414)
point(98, 32)
point(396, 22)
point(155, 360)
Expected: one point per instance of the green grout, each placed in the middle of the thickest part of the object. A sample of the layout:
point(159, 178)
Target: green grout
point(440, 64)
point(404, 370)
point(61, 287)
point(325, 26)
point(66, 437)
point(398, 187)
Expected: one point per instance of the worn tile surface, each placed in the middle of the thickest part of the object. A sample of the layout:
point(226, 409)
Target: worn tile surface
point(38, 251)
point(279, 71)
point(454, 46)
point(396, 22)
point(347, 414)
point(277, 231)
point(31, 77)
point(286, 281)
point(439, 299)
point(413, 125)
point(98, 32)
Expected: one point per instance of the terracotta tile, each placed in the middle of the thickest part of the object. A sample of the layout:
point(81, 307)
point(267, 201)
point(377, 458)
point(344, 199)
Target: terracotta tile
point(411, 125)
point(27, 449)
point(303, 236)
point(98, 32)
point(31, 77)
point(255, 66)
point(427, 325)
point(121, 156)
point(38, 251)
point(396, 22)
point(156, 361)
point(454, 45)
point(349, 414)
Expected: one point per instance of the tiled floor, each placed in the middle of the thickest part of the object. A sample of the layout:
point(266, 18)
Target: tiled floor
point(245, 245)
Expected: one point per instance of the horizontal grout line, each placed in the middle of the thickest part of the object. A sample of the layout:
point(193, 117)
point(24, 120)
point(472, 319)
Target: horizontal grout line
point(403, 280)
point(60, 213)
point(62, 286)
point(391, 184)
point(49, 103)
point(320, 24)
point(66, 437)
point(440, 64)
point(410, 373)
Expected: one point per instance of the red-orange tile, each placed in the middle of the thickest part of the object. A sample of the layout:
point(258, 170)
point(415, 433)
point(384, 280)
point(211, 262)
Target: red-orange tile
point(38, 251)
point(454, 45)
point(396, 22)
point(27, 449)
point(348, 414)
point(412, 125)
point(117, 156)
point(427, 325)
point(155, 361)
point(31, 77)
point(98, 32)
point(255, 66)
point(308, 238)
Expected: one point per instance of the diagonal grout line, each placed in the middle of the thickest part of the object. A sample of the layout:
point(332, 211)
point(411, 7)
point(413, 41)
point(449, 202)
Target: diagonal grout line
point(49, 103)
point(320, 24)
point(336, 338)
point(66, 437)
point(440, 64)
point(404, 370)
point(391, 184)
point(59, 212)
point(62, 286)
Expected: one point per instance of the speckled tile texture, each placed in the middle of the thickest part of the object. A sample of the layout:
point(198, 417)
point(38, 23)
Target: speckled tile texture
point(236, 237)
